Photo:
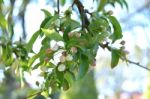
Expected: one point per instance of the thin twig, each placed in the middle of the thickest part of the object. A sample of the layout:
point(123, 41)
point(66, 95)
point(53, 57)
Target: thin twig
point(124, 58)
point(137, 64)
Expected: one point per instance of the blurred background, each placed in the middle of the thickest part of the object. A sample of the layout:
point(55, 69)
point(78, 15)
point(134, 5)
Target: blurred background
point(126, 81)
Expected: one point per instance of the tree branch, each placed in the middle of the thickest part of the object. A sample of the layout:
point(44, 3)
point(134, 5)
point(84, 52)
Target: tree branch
point(137, 64)
point(123, 58)
point(58, 7)
point(84, 19)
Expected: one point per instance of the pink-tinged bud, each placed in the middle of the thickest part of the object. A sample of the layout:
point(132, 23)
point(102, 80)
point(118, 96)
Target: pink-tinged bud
point(55, 47)
point(73, 50)
point(93, 63)
point(70, 34)
point(62, 58)
point(46, 59)
point(69, 57)
point(61, 67)
point(48, 51)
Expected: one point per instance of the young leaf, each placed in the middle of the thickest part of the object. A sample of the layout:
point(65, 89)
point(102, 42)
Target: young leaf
point(47, 23)
point(62, 2)
point(115, 55)
point(47, 13)
point(3, 22)
point(70, 77)
point(65, 34)
point(52, 34)
point(65, 85)
point(72, 23)
point(117, 29)
point(125, 3)
point(32, 59)
point(32, 40)
point(84, 66)
point(101, 5)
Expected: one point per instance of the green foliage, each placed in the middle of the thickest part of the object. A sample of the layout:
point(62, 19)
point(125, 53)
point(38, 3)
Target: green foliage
point(32, 40)
point(114, 57)
point(81, 40)
point(117, 33)
point(3, 22)
point(82, 89)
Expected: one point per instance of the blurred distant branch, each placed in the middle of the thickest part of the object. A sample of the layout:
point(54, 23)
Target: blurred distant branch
point(22, 16)
point(58, 7)
point(126, 18)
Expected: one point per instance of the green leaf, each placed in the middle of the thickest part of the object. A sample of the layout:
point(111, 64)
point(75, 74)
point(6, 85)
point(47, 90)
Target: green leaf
point(84, 66)
point(47, 23)
point(72, 23)
point(102, 4)
point(36, 56)
point(32, 59)
point(4, 53)
point(52, 34)
point(70, 77)
point(65, 34)
point(125, 3)
point(62, 2)
point(98, 24)
point(37, 65)
point(1, 1)
point(11, 30)
point(9, 60)
point(32, 40)
point(117, 29)
point(47, 13)
point(3, 22)
point(115, 55)
point(60, 76)
point(65, 85)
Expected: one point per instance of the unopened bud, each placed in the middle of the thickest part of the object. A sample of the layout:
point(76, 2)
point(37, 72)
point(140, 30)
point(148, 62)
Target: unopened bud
point(110, 12)
point(93, 63)
point(55, 47)
point(73, 50)
point(46, 59)
point(64, 53)
point(122, 42)
point(70, 34)
point(48, 51)
point(61, 67)
point(122, 47)
point(78, 35)
point(69, 57)
point(126, 52)
point(62, 58)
